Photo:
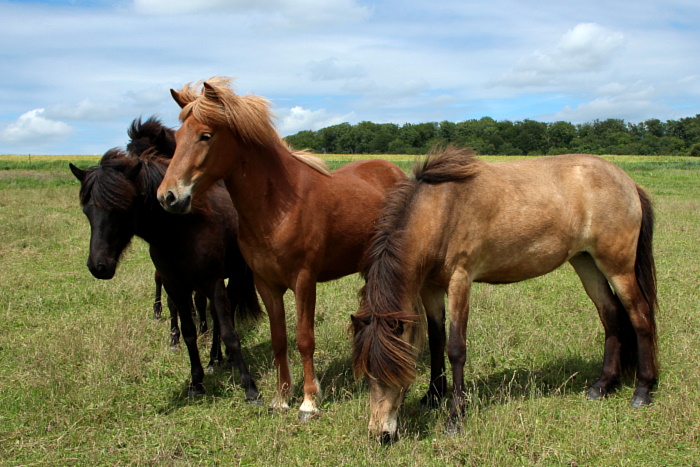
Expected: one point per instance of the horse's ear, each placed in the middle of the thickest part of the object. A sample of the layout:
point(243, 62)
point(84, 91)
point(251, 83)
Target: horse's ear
point(134, 171)
point(209, 92)
point(79, 173)
point(178, 99)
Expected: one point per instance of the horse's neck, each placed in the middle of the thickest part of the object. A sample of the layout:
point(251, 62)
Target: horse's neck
point(264, 186)
point(152, 222)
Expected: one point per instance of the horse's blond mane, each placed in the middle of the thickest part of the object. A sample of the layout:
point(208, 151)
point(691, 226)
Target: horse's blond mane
point(249, 116)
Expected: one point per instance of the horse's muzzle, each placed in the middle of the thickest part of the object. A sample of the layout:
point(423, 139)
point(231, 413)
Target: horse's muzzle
point(174, 204)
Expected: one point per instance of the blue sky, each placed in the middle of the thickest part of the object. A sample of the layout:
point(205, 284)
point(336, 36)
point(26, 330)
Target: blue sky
point(75, 73)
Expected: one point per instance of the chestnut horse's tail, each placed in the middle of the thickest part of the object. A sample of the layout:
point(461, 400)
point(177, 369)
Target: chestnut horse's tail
point(242, 294)
point(645, 272)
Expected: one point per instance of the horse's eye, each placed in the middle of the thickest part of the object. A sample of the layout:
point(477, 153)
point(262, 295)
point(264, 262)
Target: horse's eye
point(205, 137)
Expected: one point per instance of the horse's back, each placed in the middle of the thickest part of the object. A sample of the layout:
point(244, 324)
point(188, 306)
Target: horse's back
point(521, 219)
point(377, 173)
point(339, 214)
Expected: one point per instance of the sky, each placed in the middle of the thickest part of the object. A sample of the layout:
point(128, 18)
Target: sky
point(75, 73)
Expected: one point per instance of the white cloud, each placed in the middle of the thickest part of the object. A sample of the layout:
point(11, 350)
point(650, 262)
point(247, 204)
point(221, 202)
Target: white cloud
point(297, 119)
point(33, 127)
point(585, 48)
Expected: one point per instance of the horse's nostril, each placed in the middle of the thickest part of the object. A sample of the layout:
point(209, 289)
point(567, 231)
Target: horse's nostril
point(170, 198)
point(387, 438)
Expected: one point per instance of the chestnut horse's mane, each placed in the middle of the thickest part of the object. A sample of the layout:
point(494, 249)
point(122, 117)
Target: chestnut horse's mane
point(378, 351)
point(249, 117)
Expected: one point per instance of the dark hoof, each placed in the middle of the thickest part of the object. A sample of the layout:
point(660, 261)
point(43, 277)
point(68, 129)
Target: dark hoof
point(257, 401)
point(196, 390)
point(453, 428)
point(209, 370)
point(307, 416)
point(594, 394)
point(640, 401)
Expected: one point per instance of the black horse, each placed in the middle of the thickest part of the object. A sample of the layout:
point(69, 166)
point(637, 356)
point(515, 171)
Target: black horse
point(192, 252)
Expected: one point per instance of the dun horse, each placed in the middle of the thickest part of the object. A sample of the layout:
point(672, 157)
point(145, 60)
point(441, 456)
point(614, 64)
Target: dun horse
point(462, 220)
point(299, 223)
point(194, 252)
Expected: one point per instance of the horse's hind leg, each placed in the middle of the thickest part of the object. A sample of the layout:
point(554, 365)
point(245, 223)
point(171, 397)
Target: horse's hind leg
point(641, 315)
point(215, 355)
point(434, 303)
point(614, 319)
point(223, 308)
point(157, 302)
point(174, 326)
point(200, 304)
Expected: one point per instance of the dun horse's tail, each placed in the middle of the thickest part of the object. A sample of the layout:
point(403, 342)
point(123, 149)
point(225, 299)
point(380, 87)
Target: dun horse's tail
point(645, 272)
point(242, 294)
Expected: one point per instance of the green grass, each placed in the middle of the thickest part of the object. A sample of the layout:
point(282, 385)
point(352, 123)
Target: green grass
point(87, 377)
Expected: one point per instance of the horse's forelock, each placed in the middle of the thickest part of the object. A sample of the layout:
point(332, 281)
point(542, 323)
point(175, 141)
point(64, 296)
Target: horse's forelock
point(249, 117)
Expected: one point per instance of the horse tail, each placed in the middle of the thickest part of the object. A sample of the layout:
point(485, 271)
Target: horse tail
point(242, 294)
point(449, 164)
point(645, 273)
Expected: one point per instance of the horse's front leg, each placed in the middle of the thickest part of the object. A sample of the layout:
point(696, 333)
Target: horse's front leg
point(272, 298)
point(434, 303)
point(305, 296)
point(459, 291)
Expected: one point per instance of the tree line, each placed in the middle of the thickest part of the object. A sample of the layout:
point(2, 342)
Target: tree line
point(528, 137)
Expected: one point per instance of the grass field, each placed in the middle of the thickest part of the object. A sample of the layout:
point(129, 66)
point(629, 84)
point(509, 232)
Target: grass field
point(87, 377)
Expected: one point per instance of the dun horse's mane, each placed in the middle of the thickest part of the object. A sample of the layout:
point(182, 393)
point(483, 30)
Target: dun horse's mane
point(249, 117)
point(379, 352)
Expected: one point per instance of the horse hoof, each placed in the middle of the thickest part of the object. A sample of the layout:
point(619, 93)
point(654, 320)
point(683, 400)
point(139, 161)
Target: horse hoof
point(196, 391)
point(453, 428)
point(640, 401)
point(306, 416)
point(595, 394)
point(209, 369)
point(276, 410)
point(256, 401)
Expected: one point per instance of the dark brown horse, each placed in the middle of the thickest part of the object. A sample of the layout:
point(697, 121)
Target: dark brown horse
point(299, 223)
point(153, 137)
point(462, 220)
point(193, 252)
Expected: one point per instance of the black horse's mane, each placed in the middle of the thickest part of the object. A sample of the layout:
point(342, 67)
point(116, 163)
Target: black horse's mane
point(123, 175)
point(150, 136)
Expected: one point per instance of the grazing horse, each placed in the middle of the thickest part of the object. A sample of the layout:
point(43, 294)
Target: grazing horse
point(194, 252)
point(462, 220)
point(299, 223)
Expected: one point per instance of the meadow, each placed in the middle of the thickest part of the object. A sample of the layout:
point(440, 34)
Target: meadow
point(87, 376)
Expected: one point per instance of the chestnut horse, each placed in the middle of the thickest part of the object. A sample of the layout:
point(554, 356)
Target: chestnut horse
point(462, 220)
point(299, 223)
